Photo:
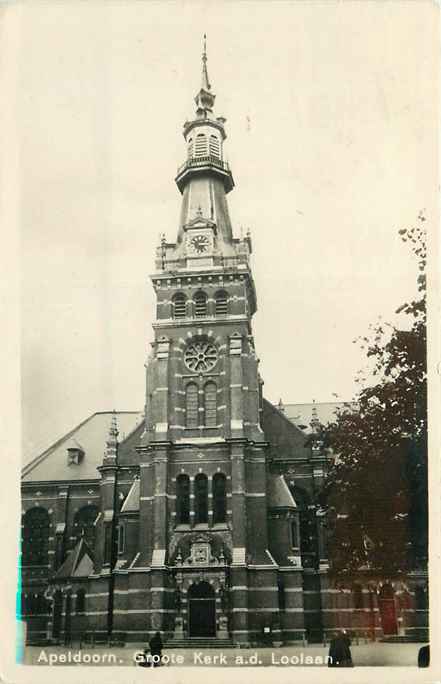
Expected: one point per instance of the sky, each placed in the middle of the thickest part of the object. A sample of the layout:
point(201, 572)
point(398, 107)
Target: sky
point(331, 123)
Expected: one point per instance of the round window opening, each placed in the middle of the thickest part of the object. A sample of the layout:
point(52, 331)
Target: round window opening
point(200, 357)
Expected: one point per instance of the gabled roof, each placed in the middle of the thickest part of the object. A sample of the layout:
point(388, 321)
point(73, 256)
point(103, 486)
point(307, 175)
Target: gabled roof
point(91, 434)
point(79, 562)
point(279, 495)
point(131, 503)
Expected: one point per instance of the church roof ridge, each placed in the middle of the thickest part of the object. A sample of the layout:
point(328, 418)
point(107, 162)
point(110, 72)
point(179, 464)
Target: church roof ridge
point(92, 440)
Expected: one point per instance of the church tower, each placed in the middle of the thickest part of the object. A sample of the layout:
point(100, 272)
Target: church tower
point(203, 512)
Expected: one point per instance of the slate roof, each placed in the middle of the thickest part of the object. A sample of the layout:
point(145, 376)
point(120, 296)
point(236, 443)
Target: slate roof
point(301, 414)
point(78, 563)
point(91, 434)
point(279, 495)
point(131, 503)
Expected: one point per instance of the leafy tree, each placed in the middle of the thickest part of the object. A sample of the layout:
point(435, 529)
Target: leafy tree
point(376, 491)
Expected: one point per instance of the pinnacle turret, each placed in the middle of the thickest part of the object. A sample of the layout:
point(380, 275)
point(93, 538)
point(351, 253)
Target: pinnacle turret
point(112, 440)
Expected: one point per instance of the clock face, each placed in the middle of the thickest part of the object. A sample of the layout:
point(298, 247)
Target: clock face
point(199, 244)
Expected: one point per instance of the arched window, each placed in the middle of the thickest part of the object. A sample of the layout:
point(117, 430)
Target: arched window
point(201, 498)
point(294, 533)
point(420, 598)
point(281, 596)
point(179, 305)
point(121, 538)
point(221, 303)
point(84, 525)
point(191, 405)
point(214, 146)
point(307, 527)
point(210, 404)
point(80, 604)
point(35, 537)
point(357, 592)
point(200, 304)
point(34, 604)
point(200, 145)
point(190, 148)
point(219, 498)
point(182, 500)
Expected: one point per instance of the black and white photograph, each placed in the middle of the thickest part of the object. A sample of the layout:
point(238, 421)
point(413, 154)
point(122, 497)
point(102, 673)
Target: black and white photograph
point(227, 266)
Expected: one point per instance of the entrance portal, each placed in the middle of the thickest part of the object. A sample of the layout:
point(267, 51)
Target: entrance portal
point(201, 610)
point(386, 603)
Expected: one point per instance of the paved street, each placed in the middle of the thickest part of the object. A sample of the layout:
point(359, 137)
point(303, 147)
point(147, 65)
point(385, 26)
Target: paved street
point(376, 654)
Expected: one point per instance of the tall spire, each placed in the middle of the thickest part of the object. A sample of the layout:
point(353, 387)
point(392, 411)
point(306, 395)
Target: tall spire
point(205, 98)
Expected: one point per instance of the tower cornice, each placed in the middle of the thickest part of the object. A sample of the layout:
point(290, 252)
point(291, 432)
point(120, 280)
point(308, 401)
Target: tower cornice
point(209, 165)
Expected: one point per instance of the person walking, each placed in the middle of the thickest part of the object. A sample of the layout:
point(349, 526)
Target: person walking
point(340, 651)
point(156, 646)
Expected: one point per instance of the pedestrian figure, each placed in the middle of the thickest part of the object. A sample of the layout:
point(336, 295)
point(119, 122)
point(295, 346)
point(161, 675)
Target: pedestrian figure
point(156, 649)
point(143, 659)
point(424, 656)
point(340, 651)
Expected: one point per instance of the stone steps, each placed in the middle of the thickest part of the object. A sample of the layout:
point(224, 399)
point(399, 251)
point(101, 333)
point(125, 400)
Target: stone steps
point(395, 639)
point(198, 642)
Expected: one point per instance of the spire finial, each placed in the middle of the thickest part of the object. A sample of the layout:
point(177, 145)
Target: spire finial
point(205, 80)
point(205, 98)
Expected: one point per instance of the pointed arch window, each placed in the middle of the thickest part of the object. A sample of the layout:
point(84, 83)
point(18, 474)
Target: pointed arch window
point(190, 148)
point(179, 305)
point(210, 404)
point(214, 146)
point(219, 498)
point(200, 304)
point(84, 525)
point(182, 499)
point(36, 536)
point(201, 145)
point(221, 303)
point(201, 498)
point(191, 405)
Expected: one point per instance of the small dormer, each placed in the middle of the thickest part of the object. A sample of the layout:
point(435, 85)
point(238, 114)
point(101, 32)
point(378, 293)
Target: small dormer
point(75, 453)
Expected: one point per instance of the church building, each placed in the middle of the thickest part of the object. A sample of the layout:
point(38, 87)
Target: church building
point(198, 516)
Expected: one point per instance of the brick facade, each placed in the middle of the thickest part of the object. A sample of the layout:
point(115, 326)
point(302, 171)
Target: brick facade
point(251, 553)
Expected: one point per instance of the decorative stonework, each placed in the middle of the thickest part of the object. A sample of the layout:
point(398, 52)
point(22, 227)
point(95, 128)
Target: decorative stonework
point(200, 357)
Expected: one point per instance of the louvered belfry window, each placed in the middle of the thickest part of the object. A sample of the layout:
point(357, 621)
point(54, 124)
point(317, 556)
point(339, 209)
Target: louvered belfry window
point(191, 406)
point(221, 303)
point(214, 146)
point(200, 304)
point(179, 302)
point(200, 145)
point(210, 404)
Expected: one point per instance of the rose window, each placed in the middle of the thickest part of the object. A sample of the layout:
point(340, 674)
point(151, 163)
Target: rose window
point(200, 357)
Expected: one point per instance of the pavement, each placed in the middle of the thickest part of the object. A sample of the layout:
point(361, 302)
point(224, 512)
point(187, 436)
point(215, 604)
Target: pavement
point(370, 654)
